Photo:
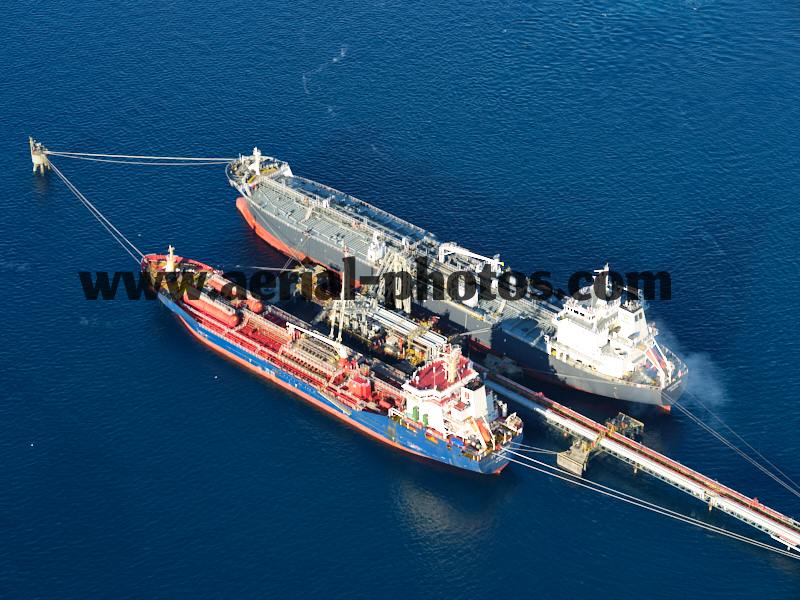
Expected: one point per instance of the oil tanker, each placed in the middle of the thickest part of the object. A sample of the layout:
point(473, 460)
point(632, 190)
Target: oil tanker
point(440, 410)
point(598, 345)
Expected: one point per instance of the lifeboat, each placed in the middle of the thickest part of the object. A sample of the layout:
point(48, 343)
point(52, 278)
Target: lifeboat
point(219, 312)
point(231, 291)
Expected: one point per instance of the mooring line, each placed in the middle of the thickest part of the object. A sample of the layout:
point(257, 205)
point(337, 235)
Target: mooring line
point(135, 156)
point(647, 505)
point(744, 441)
point(120, 238)
point(145, 163)
point(738, 450)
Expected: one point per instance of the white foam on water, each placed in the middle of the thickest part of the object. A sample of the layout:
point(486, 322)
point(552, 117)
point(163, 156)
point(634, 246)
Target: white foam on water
point(705, 379)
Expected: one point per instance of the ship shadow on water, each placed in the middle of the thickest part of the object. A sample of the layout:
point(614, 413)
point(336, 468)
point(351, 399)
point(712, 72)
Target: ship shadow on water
point(436, 501)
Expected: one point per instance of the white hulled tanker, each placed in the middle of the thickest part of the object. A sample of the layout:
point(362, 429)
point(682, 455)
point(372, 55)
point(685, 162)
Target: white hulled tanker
point(602, 347)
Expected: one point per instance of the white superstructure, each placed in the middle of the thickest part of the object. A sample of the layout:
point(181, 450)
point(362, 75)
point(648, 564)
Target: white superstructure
point(610, 337)
point(448, 396)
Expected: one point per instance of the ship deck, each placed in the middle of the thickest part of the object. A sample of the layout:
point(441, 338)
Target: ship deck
point(326, 224)
point(316, 190)
point(434, 376)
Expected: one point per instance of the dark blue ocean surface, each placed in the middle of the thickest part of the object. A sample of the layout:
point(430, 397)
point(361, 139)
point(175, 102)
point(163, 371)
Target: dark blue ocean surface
point(653, 135)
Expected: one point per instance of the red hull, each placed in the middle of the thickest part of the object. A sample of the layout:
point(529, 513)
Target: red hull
point(241, 205)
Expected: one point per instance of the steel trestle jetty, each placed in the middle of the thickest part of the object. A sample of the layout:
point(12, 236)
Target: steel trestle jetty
point(778, 526)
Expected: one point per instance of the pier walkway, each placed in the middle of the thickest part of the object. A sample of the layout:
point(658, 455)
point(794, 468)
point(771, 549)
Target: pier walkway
point(778, 526)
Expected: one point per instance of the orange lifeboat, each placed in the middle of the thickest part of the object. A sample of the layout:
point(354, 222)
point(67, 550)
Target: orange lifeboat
point(231, 290)
point(219, 312)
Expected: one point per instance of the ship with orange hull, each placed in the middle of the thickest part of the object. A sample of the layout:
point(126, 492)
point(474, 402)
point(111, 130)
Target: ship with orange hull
point(441, 411)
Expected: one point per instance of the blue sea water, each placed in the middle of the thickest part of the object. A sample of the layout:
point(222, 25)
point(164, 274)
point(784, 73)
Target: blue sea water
point(653, 135)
